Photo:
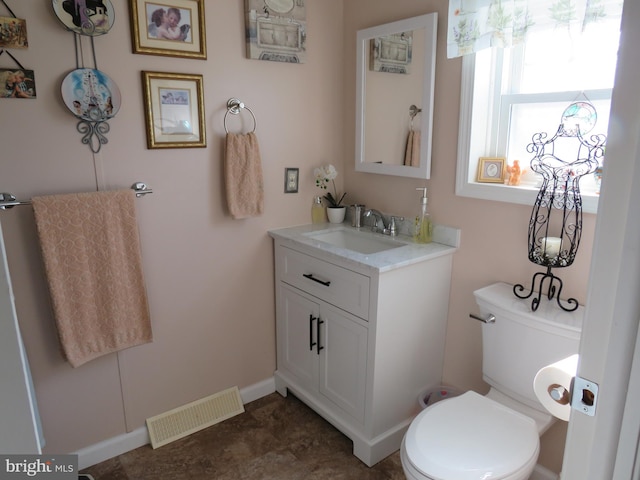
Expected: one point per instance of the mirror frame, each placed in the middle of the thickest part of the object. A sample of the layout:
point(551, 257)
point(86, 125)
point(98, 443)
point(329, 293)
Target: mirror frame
point(430, 23)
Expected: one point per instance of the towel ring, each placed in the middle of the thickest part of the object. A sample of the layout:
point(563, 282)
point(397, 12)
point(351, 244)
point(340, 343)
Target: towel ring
point(234, 107)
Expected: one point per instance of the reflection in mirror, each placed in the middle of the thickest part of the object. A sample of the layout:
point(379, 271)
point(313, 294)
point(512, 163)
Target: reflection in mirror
point(394, 97)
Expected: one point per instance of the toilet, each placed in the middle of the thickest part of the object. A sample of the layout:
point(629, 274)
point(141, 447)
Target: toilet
point(495, 436)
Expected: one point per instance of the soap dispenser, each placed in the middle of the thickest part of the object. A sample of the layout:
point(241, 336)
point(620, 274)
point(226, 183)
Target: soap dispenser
point(423, 228)
point(317, 210)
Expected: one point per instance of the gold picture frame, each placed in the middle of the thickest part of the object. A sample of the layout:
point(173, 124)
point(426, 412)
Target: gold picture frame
point(491, 170)
point(174, 110)
point(173, 28)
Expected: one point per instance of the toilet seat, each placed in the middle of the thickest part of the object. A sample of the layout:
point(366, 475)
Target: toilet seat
point(471, 437)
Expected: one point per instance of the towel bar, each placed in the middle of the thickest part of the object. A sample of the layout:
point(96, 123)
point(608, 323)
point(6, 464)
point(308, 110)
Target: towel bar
point(8, 200)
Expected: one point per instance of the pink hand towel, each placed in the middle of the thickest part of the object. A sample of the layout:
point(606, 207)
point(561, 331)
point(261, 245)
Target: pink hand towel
point(91, 253)
point(243, 175)
point(412, 151)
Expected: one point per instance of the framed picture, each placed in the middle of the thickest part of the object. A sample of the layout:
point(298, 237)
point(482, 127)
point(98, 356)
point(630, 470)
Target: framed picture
point(491, 170)
point(392, 53)
point(172, 28)
point(174, 110)
point(291, 176)
point(276, 30)
point(13, 33)
point(18, 83)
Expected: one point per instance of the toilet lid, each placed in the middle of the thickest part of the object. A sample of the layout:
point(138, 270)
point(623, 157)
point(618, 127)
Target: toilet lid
point(471, 437)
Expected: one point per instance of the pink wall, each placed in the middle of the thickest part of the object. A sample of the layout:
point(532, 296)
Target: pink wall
point(494, 234)
point(209, 277)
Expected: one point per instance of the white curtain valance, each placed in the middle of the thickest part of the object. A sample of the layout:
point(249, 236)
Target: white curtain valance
point(478, 24)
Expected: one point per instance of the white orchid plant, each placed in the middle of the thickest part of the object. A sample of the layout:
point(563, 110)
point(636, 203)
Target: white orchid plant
point(324, 175)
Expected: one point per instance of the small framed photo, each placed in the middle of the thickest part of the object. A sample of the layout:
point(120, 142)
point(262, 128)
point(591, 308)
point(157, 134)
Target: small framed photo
point(13, 33)
point(18, 83)
point(172, 28)
point(291, 176)
point(174, 110)
point(491, 170)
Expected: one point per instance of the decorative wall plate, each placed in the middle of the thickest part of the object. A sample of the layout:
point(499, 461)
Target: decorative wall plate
point(86, 17)
point(90, 94)
point(579, 116)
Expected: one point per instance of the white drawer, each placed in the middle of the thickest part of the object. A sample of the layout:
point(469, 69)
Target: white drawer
point(338, 286)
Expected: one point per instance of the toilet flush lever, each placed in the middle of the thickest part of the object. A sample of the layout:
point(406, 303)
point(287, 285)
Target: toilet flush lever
point(490, 318)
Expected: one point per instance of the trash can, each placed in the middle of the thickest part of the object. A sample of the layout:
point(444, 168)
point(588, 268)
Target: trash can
point(434, 394)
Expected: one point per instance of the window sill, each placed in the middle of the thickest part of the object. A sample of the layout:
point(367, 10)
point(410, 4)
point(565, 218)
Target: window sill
point(522, 195)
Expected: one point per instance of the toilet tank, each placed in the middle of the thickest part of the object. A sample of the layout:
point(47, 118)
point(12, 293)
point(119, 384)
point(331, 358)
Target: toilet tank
point(522, 341)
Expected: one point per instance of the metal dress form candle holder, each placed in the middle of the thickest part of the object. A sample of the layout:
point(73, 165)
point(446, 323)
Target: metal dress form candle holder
point(557, 211)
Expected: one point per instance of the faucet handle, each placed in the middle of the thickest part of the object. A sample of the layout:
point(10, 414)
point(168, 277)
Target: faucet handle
point(393, 228)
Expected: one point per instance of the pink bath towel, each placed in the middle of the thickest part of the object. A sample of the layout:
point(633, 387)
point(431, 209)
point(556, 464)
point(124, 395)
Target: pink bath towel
point(243, 175)
point(91, 253)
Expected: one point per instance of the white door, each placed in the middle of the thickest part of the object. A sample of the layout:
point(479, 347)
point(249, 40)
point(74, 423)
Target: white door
point(598, 446)
point(18, 414)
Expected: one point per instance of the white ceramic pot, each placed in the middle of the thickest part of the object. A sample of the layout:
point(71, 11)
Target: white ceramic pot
point(336, 214)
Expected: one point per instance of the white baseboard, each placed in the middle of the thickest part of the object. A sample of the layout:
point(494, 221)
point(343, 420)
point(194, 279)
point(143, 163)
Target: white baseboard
point(542, 473)
point(258, 390)
point(112, 447)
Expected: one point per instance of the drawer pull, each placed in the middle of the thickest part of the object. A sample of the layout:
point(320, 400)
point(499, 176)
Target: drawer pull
point(311, 342)
point(311, 277)
point(318, 346)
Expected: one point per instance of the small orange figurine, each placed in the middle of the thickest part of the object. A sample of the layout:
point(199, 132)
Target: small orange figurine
point(515, 173)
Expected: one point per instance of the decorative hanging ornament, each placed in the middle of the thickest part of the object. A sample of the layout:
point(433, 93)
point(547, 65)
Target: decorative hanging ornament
point(88, 93)
point(579, 117)
point(94, 98)
point(86, 17)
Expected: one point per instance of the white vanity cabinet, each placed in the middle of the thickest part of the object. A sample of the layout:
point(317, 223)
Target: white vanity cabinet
point(358, 342)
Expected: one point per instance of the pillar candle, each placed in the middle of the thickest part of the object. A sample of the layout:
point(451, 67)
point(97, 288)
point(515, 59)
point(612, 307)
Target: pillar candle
point(551, 246)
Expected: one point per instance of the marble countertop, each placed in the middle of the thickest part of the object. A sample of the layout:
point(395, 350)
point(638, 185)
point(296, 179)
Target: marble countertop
point(446, 242)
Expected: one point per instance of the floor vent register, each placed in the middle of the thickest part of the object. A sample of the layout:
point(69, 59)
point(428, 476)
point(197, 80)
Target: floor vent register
point(193, 417)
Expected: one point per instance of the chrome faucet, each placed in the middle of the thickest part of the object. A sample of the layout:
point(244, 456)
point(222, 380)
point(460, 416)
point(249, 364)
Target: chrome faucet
point(379, 224)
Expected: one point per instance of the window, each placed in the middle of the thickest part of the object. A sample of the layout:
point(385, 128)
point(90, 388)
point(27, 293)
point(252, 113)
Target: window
point(510, 94)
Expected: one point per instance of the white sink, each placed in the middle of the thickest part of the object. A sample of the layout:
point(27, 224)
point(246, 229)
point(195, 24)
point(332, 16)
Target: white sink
point(354, 240)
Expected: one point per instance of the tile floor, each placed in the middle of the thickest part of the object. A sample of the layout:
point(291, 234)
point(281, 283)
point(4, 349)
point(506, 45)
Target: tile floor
point(276, 438)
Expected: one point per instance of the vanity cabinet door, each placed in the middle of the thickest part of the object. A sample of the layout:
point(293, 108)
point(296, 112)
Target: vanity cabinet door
point(343, 360)
point(297, 333)
point(324, 349)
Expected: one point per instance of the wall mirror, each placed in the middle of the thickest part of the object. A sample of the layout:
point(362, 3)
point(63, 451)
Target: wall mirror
point(395, 73)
